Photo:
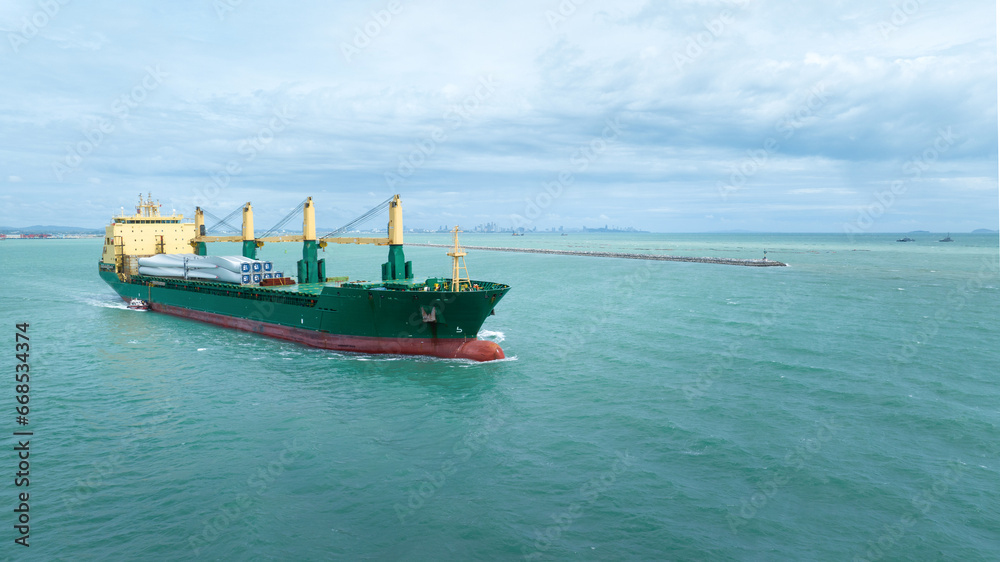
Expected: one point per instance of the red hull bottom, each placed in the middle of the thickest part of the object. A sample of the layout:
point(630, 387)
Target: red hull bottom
point(477, 350)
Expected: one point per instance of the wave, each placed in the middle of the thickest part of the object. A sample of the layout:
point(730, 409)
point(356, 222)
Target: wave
point(491, 335)
point(104, 303)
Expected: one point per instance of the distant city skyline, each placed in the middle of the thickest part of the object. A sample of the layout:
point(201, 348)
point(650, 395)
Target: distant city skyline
point(695, 117)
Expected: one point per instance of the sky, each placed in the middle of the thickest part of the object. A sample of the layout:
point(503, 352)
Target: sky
point(686, 116)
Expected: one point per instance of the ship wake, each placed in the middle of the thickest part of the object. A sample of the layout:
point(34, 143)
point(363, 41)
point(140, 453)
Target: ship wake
point(104, 303)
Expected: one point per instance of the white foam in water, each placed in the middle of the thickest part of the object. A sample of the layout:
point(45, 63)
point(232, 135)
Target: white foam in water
point(491, 335)
point(115, 303)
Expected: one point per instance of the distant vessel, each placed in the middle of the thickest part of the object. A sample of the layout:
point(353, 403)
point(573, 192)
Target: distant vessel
point(906, 239)
point(160, 262)
point(946, 238)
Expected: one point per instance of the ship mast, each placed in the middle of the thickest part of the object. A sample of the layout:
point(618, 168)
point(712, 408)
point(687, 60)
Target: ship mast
point(146, 208)
point(249, 243)
point(458, 264)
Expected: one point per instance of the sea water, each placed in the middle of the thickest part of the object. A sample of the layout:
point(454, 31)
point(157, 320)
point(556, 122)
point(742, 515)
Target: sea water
point(844, 407)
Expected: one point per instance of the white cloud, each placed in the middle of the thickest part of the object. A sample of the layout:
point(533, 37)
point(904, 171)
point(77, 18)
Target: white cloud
point(822, 190)
point(685, 130)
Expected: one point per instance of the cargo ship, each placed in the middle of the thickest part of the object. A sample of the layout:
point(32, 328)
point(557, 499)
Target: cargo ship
point(162, 261)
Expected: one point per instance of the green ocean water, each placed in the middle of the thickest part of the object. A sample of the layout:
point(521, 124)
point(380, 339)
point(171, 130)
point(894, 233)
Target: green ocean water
point(845, 407)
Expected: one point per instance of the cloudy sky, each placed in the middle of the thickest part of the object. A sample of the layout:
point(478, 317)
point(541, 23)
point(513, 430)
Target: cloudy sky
point(680, 116)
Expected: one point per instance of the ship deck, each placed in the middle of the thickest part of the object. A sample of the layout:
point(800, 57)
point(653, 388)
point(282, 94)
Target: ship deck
point(301, 288)
point(316, 289)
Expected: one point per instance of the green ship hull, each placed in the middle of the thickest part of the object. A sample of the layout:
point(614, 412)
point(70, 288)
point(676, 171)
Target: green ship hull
point(394, 316)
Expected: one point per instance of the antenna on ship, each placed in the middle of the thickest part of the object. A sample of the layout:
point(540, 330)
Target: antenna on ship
point(147, 208)
point(458, 264)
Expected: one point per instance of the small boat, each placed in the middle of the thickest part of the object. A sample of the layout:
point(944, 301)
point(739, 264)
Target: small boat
point(906, 239)
point(138, 304)
point(946, 238)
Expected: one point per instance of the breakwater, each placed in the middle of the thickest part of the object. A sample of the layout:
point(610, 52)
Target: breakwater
point(656, 257)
